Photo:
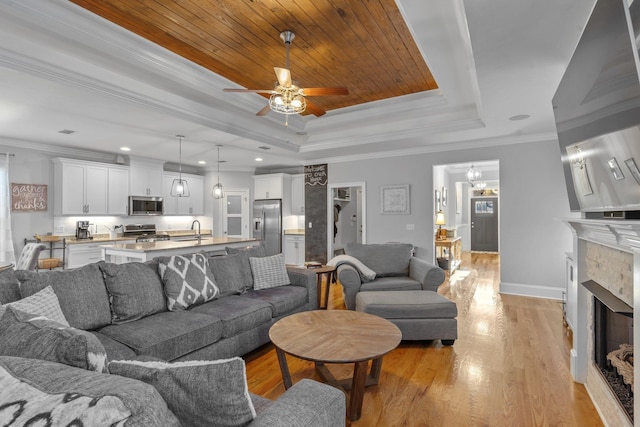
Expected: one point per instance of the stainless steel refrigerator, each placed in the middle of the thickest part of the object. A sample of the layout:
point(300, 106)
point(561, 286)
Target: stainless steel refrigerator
point(267, 224)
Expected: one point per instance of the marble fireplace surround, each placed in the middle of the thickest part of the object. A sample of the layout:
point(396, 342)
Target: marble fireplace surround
point(608, 252)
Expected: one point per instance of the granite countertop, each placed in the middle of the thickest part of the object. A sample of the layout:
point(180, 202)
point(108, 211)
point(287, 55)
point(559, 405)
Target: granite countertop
point(104, 237)
point(175, 244)
point(295, 231)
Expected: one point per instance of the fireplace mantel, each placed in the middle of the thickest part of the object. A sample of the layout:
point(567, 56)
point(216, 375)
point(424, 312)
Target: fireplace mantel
point(619, 234)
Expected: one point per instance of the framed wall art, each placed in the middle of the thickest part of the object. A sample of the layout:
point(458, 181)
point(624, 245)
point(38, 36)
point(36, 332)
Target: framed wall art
point(395, 199)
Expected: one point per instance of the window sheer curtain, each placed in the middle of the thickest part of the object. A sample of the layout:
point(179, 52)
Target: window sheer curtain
point(7, 253)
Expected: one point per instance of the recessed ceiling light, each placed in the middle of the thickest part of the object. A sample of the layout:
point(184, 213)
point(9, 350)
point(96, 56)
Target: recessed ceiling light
point(258, 159)
point(519, 117)
point(202, 162)
point(125, 148)
point(67, 131)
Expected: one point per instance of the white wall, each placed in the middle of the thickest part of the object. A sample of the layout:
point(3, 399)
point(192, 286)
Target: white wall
point(532, 195)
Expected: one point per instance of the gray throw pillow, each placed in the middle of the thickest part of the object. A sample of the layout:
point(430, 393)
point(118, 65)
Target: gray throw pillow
point(81, 291)
point(24, 404)
point(187, 280)
point(245, 254)
point(135, 290)
point(269, 272)
point(200, 393)
point(43, 303)
point(142, 400)
point(26, 335)
point(229, 273)
point(9, 286)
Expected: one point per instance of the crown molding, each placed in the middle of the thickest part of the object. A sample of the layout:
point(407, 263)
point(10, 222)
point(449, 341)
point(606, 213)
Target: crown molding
point(59, 150)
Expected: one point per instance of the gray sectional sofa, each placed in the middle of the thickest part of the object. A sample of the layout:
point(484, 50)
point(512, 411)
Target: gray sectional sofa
point(124, 306)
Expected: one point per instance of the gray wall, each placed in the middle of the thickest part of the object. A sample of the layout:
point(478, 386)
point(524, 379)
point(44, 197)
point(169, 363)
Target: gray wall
point(533, 241)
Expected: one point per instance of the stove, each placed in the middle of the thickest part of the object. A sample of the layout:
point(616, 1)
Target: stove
point(144, 233)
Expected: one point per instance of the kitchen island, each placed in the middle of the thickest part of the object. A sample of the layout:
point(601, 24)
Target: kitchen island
point(145, 251)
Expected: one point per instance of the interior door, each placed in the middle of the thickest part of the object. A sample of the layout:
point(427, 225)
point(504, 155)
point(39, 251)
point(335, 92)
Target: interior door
point(484, 224)
point(236, 213)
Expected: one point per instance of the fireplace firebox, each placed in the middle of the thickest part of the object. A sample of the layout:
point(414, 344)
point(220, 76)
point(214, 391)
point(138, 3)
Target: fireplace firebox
point(613, 343)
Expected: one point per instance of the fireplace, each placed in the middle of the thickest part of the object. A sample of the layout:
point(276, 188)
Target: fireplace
point(613, 344)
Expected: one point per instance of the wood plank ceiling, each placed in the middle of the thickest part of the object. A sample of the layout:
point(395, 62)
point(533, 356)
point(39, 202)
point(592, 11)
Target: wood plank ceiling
point(362, 45)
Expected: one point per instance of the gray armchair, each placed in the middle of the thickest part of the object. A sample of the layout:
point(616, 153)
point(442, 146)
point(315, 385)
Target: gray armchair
point(29, 256)
point(395, 266)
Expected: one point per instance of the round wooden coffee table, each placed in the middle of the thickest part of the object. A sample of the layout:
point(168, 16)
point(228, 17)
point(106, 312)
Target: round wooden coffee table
point(337, 336)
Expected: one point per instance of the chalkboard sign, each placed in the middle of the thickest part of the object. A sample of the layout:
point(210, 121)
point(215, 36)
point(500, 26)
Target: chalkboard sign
point(28, 197)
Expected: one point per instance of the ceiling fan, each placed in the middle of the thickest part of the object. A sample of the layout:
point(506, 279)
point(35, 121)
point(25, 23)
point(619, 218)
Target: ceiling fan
point(287, 97)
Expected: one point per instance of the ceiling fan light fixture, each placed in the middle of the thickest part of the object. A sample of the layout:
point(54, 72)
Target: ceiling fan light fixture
point(287, 100)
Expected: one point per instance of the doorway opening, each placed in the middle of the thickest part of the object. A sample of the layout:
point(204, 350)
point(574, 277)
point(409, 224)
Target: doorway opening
point(467, 196)
point(346, 210)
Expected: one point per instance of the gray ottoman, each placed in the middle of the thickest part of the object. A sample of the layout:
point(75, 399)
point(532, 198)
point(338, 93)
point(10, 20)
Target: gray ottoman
point(420, 315)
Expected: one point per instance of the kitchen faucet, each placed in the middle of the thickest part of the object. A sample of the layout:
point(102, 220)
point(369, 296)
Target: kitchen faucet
point(192, 227)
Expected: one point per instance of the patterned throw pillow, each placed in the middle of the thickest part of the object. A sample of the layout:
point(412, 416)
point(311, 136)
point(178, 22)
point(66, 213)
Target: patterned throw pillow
point(269, 272)
point(43, 303)
point(35, 337)
point(22, 404)
point(187, 280)
point(200, 393)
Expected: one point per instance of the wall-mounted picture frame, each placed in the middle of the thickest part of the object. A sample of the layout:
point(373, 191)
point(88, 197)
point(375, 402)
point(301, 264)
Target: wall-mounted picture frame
point(437, 201)
point(444, 196)
point(395, 199)
point(633, 168)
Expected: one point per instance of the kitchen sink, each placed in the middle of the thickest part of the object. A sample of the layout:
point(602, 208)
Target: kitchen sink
point(184, 239)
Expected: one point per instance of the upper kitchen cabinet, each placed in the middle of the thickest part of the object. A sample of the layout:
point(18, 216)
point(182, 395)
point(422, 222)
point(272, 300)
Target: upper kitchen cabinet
point(118, 190)
point(80, 187)
point(297, 194)
point(272, 186)
point(192, 205)
point(145, 177)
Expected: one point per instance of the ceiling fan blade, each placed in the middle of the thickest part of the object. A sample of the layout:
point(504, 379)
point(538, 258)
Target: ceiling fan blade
point(283, 75)
point(248, 90)
point(314, 109)
point(264, 111)
point(321, 91)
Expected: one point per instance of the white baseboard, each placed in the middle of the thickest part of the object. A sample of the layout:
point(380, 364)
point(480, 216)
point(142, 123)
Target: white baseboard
point(535, 291)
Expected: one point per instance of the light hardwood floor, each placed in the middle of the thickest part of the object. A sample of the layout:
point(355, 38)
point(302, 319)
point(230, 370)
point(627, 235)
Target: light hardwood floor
point(509, 366)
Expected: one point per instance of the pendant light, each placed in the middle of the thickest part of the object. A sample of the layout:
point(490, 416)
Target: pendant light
point(179, 187)
point(218, 192)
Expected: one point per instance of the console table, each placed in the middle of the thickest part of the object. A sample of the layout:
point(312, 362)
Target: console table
point(453, 248)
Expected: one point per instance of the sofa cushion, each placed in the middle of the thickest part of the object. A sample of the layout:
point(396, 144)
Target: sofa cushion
point(167, 335)
point(386, 259)
point(43, 303)
point(23, 404)
point(114, 349)
point(229, 273)
point(283, 299)
point(143, 401)
point(81, 291)
point(269, 271)
point(200, 393)
point(9, 286)
point(26, 335)
point(392, 284)
point(135, 290)
point(245, 254)
point(187, 280)
point(238, 314)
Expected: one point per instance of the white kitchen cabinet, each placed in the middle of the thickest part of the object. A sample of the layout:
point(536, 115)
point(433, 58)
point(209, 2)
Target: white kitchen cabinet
point(294, 249)
point(80, 188)
point(145, 177)
point(272, 186)
point(297, 194)
point(192, 205)
point(118, 190)
point(84, 253)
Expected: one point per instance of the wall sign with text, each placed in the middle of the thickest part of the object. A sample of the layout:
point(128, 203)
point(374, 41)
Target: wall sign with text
point(28, 197)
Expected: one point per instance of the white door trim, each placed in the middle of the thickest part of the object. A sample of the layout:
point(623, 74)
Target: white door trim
point(244, 193)
point(363, 214)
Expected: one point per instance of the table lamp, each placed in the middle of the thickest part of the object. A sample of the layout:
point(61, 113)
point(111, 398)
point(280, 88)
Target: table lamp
point(440, 222)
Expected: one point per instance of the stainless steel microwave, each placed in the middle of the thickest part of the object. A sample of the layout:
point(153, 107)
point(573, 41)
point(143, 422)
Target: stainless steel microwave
point(145, 205)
